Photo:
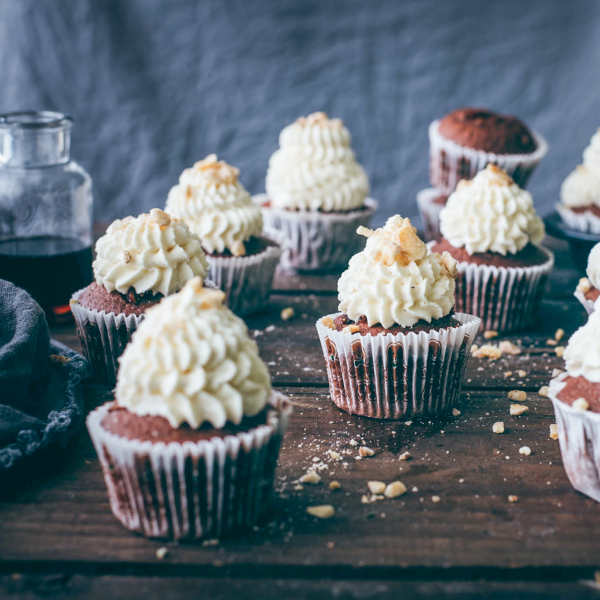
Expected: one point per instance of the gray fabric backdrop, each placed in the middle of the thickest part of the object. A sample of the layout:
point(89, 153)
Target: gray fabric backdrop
point(155, 85)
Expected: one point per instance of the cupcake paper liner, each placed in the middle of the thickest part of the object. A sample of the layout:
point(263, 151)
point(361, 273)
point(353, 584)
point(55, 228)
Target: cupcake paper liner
point(318, 240)
point(430, 212)
point(103, 337)
point(504, 298)
point(247, 280)
point(450, 162)
point(397, 376)
point(579, 438)
point(587, 221)
point(587, 304)
point(192, 490)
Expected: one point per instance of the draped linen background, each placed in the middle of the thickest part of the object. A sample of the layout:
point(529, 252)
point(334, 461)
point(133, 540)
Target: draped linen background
point(154, 85)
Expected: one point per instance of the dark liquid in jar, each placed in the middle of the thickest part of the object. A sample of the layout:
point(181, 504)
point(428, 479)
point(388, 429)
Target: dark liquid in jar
point(50, 268)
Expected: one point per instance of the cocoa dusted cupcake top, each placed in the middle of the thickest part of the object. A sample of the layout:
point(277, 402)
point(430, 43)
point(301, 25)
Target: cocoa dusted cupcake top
point(216, 206)
point(491, 213)
point(192, 361)
point(315, 168)
point(396, 280)
point(152, 254)
point(483, 129)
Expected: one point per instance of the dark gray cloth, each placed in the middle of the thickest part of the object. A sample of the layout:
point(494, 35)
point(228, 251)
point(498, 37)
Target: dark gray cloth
point(40, 391)
point(155, 85)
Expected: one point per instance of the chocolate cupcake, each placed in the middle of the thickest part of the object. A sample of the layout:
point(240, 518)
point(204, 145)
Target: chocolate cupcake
point(588, 288)
point(317, 194)
point(430, 202)
point(490, 227)
point(189, 447)
point(575, 395)
point(397, 349)
point(138, 262)
point(242, 258)
point(466, 140)
point(580, 191)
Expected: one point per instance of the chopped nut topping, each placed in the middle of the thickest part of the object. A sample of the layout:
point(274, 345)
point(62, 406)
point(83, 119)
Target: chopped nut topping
point(544, 391)
point(353, 443)
point(556, 373)
point(559, 334)
point(298, 487)
point(513, 498)
point(364, 499)
point(238, 248)
point(287, 313)
point(335, 485)
point(331, 545)
point(127, 256)
point(159, 217)
point(334, 455)
point(581, 404)
point(559, 351)
point(395, 489)
point(509, 347)
point(161, 553)
point(311, 477)
point(507, 373)
point(551, 343)
point(405, 455)
point(517, 395)
point(554, 431)
point(435, 499)
point(351, 329)
point(376, 487)
point(365, 452)
point(60, 359)
point(498, 427)
point(584, 285)
point(487, 351)
point(526, 450)
point(323, 511)
point(518, 409)
point(489, 334)
point(455, 412)
point(522, 373)
point(327, 322)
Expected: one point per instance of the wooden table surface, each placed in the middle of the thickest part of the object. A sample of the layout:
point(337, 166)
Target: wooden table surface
point(58, 537)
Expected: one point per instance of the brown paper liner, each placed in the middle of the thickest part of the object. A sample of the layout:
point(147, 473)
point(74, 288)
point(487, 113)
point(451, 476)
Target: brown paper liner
point(190, 490)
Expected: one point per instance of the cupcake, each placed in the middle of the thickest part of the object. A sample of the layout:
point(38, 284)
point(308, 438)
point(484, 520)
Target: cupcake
point(580, 191)
point(430, 202)
point(317, 194)
point(242, 258)
point(588, 288)
point(189, 447)
point(575, 395)
point(396, 349)
point(464, 141)
point(138, 262)
point(490, 227)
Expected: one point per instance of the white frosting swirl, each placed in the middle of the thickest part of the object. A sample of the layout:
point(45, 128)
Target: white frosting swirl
point(491, 213)
point(315, 168)
point(151, 253)
point(593, 266)
point(591, 155)
point(396, 280)
point(192, 361)
point(581, 188)
point(582, 354)
point(216, 206)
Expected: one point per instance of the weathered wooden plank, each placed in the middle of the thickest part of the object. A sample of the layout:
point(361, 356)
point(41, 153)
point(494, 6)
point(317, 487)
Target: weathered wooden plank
point(64, 518)
point(125, 587)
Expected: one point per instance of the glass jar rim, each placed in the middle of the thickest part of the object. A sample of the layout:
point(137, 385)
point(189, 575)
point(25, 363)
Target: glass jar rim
point(35, 119)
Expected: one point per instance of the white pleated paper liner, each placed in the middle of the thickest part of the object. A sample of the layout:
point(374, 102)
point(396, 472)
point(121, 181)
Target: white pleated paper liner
point(191, 490)
point(586, 221)
point(586, 302)
point(504, 298)
point(397, 376)
point(579, 438)
point(318, 240)
point(103, 337)
point(450, 162)
point(247, 280)
point(430, 212)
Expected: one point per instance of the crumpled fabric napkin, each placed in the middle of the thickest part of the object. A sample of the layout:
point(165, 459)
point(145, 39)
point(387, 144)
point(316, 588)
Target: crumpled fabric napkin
point(41, 399)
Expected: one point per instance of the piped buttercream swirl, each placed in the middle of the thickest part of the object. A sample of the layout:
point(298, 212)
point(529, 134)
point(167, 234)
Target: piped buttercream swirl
point(315, 168)
point(150, 253)
point(216, 206)
point(491, 213)
point(396, 280)
point(582, 185)
point(192, 361)
point(582, 354)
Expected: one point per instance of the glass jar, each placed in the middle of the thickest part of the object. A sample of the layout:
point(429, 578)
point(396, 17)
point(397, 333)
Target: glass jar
point(45, 209)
